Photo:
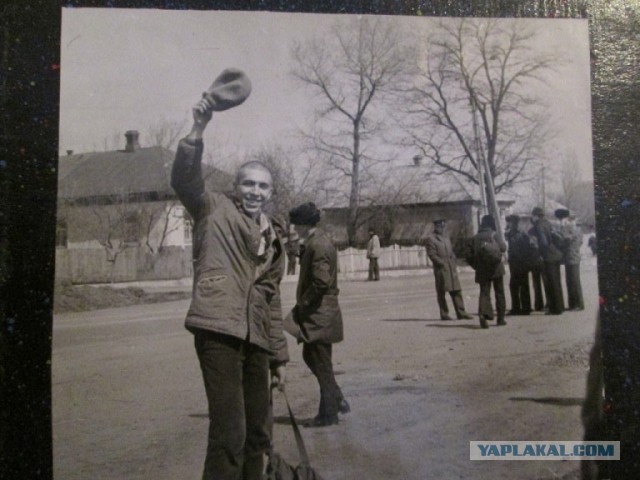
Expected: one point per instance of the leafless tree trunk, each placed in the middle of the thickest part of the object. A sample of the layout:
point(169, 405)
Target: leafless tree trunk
point(472, 106)
point(569, 181)
point(352, 70)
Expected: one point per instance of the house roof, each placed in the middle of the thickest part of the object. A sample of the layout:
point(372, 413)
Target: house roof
point(99, 174)
point(105, 174)
point(409, 185)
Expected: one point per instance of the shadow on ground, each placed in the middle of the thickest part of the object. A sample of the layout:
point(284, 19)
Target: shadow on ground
point(556, 401)
point(447, 324)
point(406, 320)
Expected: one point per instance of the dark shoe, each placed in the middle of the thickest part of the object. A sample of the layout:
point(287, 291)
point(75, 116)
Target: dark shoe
point(445, 317)
point(483, 322)
point(323, 421)
point(465, 316)
point(501, 322)
point(487, 317)
point(344, 407)
point(576, 309)
point(526, 313)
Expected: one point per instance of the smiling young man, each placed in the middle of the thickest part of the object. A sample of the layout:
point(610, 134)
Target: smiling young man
point(238, 264)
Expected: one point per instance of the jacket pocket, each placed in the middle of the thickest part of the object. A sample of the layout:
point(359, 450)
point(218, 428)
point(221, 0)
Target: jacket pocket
point(213, 296)
point(209, 284)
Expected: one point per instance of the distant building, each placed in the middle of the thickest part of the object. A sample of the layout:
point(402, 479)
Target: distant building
point(407, 204)
point(118, 217)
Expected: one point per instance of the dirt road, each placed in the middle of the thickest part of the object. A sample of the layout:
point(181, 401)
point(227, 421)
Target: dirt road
point(129, 404)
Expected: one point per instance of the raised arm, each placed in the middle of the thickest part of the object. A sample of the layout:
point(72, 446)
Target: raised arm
point(186, 174)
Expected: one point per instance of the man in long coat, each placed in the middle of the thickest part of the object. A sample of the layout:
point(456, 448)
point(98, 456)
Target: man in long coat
point(317, 312)
point(445, 270)
point(551, 257)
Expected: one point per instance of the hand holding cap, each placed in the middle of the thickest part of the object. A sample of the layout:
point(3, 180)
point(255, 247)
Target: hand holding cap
point(229, 89)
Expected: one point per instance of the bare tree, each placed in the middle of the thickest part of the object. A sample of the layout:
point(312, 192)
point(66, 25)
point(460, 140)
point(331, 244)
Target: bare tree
point(119, 224)
point(165, 133)
point(127, 224)
point(472, 110)
point(352, 70)
point(570, 181)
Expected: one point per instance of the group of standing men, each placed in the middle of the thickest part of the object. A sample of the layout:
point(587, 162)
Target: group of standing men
point(235, 313)
point(538, 251)
point(541, 250)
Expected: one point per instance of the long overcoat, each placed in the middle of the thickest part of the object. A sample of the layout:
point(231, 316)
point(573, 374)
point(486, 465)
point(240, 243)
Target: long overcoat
point(440, 252)
point(317, 309)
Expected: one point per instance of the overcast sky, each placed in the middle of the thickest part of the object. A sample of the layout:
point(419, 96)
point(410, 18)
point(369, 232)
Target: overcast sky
point(127, 69)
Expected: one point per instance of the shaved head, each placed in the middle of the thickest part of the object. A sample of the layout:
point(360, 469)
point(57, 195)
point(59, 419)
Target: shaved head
point(252, 165)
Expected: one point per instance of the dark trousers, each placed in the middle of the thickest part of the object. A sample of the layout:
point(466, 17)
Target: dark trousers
point(291, 264)
point(456, 299)
point(553, 287)
point(236, 380)
point(484, 305)
point(317, 356)
point(574, 286)
point(538, 287)
point(519, 289)
point(374, 269)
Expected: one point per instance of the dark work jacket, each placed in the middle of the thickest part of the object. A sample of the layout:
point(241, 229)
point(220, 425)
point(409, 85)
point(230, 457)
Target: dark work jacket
point(549, 252)
point(233, 287)
point(483, 274)
point(317, 310)
point(519, 250)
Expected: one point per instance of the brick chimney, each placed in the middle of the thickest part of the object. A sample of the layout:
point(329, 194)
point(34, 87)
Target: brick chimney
point(69, 152)
point(132, 141)
point(417, 160)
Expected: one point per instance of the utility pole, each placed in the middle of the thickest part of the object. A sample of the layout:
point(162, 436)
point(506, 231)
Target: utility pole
point(487, 188)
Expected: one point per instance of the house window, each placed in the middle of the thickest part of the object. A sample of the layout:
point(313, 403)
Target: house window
point(61, 233)
point(132, 228)
point(188, 228)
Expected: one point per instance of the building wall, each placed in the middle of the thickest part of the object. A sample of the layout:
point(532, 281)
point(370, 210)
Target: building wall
point(402, 225)
point(86, 260)
point(408, 225)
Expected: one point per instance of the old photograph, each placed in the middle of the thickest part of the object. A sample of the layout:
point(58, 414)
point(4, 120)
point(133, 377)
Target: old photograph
point(389, 219)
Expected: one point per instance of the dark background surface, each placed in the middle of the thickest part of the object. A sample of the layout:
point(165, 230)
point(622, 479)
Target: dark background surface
point(29, 111)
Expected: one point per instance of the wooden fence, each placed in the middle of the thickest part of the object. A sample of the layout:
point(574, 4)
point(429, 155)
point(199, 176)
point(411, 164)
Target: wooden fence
point(393, 257)
point(81, 266)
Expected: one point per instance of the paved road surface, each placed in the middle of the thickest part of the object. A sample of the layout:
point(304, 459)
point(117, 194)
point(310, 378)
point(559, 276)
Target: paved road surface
point(128, 402)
